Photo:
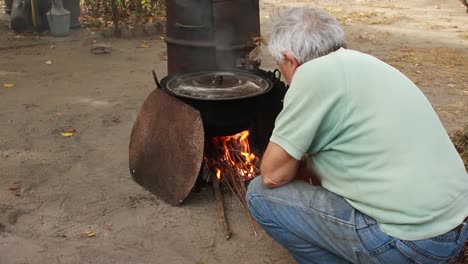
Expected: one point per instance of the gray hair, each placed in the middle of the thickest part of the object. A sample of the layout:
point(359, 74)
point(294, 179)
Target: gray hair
point(306, 33)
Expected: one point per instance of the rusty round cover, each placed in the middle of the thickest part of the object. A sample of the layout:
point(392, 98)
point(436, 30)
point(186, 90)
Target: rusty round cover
point(166, 147)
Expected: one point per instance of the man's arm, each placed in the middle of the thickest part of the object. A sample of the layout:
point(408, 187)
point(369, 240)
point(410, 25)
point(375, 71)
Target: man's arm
point(278, 167)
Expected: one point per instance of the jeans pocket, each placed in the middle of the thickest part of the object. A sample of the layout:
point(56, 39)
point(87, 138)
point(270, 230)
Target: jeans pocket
point(386, 253)
point(398, 251)
point(428, 251)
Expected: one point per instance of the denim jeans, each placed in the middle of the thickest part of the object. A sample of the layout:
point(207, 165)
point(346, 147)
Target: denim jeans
point(318, 226)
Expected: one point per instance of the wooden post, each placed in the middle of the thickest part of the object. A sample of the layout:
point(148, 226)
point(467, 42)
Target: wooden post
point(115, 17)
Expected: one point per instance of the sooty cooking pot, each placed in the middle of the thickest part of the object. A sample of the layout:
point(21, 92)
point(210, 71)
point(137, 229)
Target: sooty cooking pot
point(227, 99)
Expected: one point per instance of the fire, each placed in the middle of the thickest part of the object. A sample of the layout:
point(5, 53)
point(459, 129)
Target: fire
point(235, 157)
point(232, 162)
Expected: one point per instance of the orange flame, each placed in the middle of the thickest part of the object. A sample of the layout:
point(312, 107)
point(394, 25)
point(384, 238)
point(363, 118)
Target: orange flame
point(237, 155)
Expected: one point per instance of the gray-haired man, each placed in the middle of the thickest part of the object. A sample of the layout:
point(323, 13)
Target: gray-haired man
point(394, 189)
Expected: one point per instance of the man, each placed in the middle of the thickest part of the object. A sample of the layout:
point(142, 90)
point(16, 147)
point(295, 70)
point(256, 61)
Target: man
point(393, 188)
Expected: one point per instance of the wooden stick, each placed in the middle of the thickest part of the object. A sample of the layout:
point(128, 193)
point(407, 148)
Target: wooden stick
point(33, 13)
point(220, 204)
point(235, 189)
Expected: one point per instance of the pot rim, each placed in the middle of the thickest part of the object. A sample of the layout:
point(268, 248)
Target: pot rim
point(172, 77)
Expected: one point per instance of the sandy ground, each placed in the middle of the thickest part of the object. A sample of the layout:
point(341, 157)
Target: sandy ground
point(55, 189)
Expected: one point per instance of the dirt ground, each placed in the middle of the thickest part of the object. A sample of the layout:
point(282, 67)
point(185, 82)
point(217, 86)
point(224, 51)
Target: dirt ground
point(71, 199)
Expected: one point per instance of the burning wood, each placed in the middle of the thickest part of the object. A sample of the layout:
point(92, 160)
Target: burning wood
point(232, 155)
point(230, 159)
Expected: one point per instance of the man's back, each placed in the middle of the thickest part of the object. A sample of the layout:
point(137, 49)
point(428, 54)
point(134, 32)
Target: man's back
point(377, 142)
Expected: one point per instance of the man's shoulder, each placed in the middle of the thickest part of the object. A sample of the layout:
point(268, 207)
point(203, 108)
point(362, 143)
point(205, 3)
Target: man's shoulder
point(329, 64)
point(327, 69)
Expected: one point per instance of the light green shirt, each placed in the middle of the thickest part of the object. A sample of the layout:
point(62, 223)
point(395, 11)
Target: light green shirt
point(375, 140)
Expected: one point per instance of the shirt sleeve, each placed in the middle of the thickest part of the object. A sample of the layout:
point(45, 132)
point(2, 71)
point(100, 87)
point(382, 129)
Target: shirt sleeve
point(312, 112)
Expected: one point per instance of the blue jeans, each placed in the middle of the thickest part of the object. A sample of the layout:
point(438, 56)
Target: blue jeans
point(318, 226)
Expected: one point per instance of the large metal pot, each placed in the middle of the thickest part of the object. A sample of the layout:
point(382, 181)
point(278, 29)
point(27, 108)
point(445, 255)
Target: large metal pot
point(227, 99)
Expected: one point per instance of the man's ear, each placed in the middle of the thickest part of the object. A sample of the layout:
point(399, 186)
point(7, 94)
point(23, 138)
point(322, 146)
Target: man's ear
point(291, 60)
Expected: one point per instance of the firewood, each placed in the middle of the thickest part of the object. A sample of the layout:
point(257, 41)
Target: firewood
point(219, 202)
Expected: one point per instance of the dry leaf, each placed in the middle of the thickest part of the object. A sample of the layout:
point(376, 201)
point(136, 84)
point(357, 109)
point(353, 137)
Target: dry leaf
point(87, 234)
point(8, 85)
point(48, 62)
point(68, 133)
point(143, 45)
point(13, 188)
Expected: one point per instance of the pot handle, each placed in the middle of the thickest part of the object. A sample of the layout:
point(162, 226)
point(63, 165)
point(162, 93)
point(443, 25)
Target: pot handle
point(155, 77)
point(276, 76)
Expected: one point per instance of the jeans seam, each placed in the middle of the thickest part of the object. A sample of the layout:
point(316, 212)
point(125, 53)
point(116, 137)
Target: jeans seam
point(303, 208)
point(404, 253)
point(422, 252)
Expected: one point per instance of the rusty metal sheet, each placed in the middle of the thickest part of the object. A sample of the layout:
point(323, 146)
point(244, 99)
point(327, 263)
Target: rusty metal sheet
point(166, 147)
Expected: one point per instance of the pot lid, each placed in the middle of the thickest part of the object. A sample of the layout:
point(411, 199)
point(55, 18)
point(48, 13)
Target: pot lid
point(166, 147)
point(218, 85)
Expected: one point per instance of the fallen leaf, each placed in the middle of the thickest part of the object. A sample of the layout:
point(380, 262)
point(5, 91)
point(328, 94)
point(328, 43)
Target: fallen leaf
point(87, 234)
point(48, 62)
point(143, 45)
point(68, 133)
point(8, 85)
point(13, 188)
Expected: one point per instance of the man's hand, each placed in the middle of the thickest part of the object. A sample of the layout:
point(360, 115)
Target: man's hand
point(306, 173)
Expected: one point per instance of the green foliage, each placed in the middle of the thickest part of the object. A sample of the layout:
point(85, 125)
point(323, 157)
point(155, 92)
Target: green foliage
point(130, 11)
